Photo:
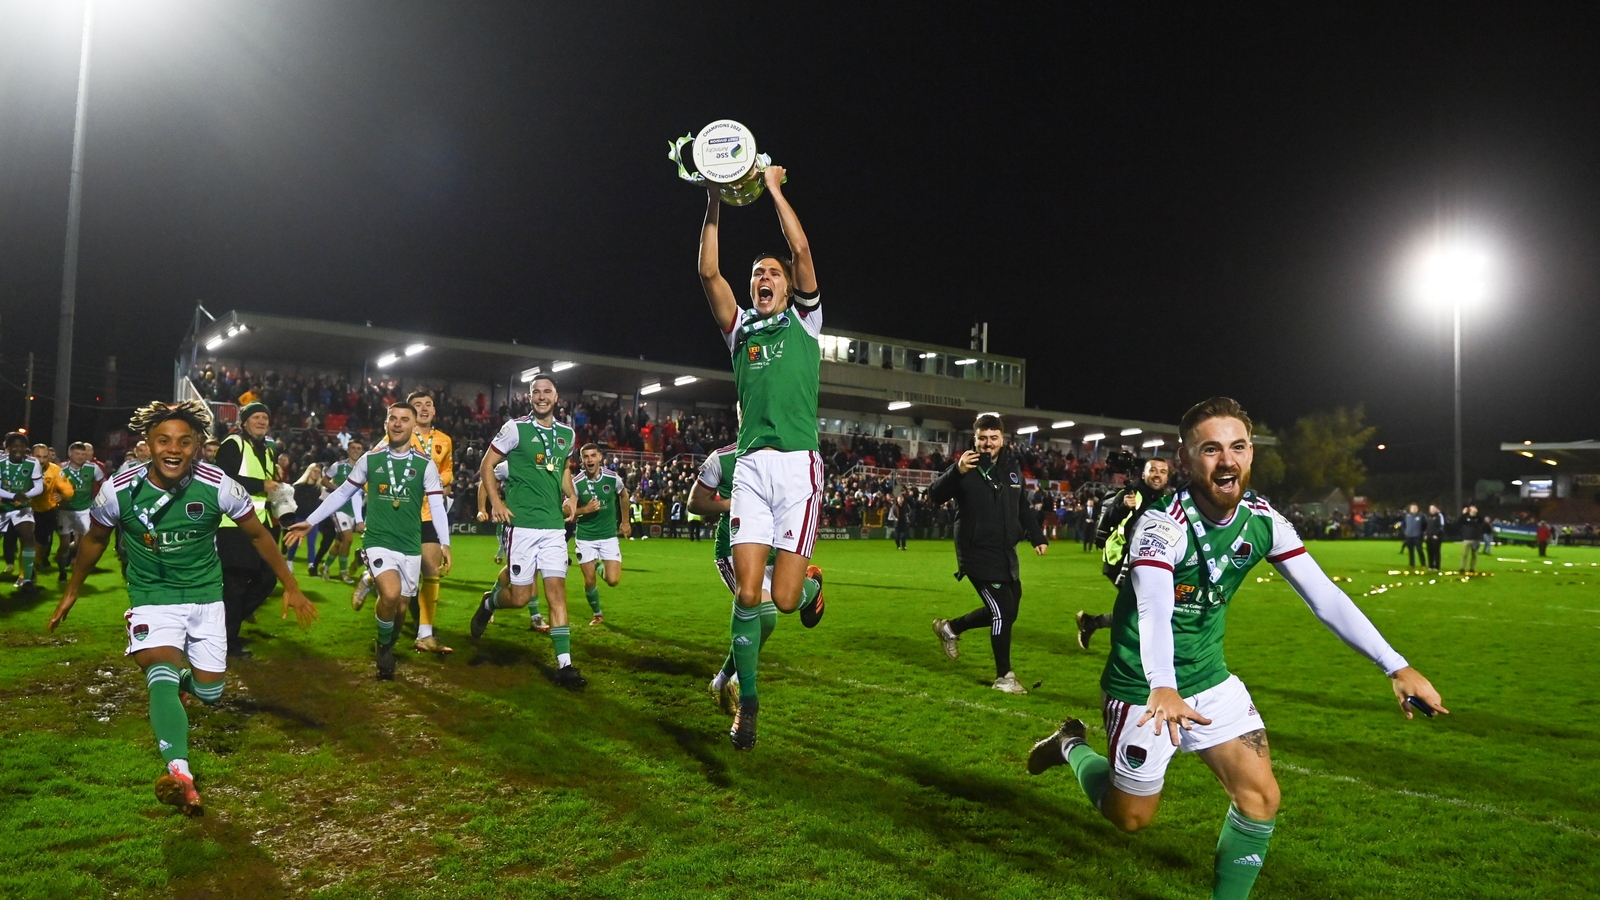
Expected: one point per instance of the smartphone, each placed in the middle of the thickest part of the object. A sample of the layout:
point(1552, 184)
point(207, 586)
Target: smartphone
point(1422, 706)
point(985, 459)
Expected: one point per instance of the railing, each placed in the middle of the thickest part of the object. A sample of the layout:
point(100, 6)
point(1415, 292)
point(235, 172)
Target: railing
point(908, 477)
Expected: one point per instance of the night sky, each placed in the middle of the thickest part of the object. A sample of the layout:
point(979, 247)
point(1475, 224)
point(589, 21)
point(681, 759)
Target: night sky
point(1150, 210)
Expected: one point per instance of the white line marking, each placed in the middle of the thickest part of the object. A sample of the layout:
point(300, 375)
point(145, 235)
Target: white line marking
point(1560, 824)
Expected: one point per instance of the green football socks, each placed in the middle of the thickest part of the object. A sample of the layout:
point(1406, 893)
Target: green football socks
point(809, 589)
point(769, 621)
point(167, 717)
point(561, 636)
point(1093, 771)
point(1241, 849)
point(386, 633)
point(746, 648)
point(208, 693)
point(27, 563)
point(593, 596)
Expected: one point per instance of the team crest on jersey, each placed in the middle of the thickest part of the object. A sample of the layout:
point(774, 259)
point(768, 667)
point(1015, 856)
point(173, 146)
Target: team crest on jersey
point(410, 472)
point(1182, 592)
point(1015, 478)
point(733, 524)
point(141, 631)
point(538, 458)
point(194, 510)
point(1241, 554)
point(605, 488)
point(561, 442)
point(1135, 756)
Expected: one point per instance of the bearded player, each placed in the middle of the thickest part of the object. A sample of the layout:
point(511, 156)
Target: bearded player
point(777, 483)
point(169, 512)
point(539, 501)
point(1167, 687)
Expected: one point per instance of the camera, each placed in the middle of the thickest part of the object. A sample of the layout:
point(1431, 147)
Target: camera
point(1122, 462)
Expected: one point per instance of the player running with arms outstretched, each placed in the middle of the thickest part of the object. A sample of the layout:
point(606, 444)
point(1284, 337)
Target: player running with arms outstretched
point(1167, 687)
point(398, 482)
point(601, 497)
point(712, 496)
point(777, 484)
point(169, 511)
point(538, 503)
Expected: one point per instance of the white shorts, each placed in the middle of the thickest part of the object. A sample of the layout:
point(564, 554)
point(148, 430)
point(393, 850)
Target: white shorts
point(73, 522)
point(530, 550)
point(409, 568)
point(200, 630)
point(731, 579)
point(589, 551)
point(343, 522)
point(777, 500)
point(15, 517)
point(1139, 757)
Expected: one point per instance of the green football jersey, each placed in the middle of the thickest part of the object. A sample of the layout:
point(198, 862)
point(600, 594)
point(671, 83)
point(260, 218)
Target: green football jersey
point(339, 475)
point(777, 364)
point(18, 478)
point(170, 538)
point(607, 487)
point(1208, 563)
point(397, 486)
point(83, 481)
point(537, 463)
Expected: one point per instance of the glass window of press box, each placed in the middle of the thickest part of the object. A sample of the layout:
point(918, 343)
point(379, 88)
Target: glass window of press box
point(853, 428)
point(910, 359)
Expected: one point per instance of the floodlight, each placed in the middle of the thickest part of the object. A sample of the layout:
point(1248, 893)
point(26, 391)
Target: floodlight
point(387, 359)
point(1067, 424)
point(414, 349)
point(561, 365)
point(1456, 272)
point(216, 342)
point(682, 380)
point(1128, 431)
point(1383, 446)
point(650, 388)
point(899, 404)
point(1094, 438)
point(965, 362)
point(927, 355)
point(1517, 481)
point(1526, 453)
point(1156, 442)
point(529, 375)
point(1548, 462)
point(1027, 429)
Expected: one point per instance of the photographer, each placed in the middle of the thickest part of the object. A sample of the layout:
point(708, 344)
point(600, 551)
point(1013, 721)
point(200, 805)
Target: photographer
point(991, 518)
point(1119, 513)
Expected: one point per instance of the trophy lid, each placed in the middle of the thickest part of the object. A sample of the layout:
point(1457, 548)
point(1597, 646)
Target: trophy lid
point(724, 151)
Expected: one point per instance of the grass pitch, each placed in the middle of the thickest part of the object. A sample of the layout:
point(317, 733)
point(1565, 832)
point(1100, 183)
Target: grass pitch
point(883, 771)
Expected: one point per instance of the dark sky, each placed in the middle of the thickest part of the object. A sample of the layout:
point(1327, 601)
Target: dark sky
point(1150, 210)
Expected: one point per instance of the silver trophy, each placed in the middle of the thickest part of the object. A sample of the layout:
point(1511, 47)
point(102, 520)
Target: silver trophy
point(724, 154)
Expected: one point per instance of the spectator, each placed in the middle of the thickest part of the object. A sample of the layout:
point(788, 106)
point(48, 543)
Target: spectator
point(1472, 528)
point(1543, 536)
point(1411, 526)
point(1433, 535)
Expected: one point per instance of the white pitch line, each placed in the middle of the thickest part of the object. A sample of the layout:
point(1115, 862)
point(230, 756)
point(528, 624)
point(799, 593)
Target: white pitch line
point(1560, 824)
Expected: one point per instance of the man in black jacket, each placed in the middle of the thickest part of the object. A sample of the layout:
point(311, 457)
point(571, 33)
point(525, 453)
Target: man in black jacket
point(1433, 536)
point(1120, 512)
point(991, 518)
point(1472, 531)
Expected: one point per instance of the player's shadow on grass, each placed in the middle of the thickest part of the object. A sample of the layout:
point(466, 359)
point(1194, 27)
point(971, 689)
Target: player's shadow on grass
point(17, 603)
point(209, 858)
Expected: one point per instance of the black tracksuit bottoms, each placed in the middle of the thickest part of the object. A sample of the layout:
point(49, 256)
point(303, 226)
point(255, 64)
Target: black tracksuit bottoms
point(998, 612)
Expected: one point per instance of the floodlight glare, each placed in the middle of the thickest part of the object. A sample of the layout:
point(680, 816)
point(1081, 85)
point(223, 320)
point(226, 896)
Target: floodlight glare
point(899, 404)
point(650, 388)
point(386, 360)
point(965, 362)
point(682, 380)
point(1517, 481)
point(1156, 442)
point(1027, 429)
point(1127, 431)
point(1094, 438)
point(233, 330)
point(216, 342)
point(1067, 424)
point(1548, 462)
point(561, 365)
point(529, 375)
point(414, 349)
point(1526, 453)
point(927, 355)
point(1453, 273)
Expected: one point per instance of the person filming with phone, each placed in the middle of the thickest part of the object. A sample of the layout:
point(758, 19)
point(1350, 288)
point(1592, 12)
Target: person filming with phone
point(991, 519)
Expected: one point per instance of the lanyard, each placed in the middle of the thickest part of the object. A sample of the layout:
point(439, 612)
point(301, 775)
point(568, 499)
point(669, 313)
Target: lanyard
point(17, 471)
point(428, 447)
point(1214, 558)
point(388, 462)
point(149, 516)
